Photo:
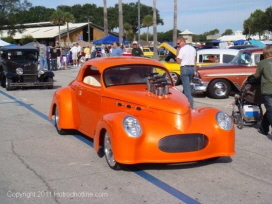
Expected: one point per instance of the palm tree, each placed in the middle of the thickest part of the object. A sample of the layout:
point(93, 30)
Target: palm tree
point(106, 30)
point(155, 56)
point(175, 31)
point(147, 21)
point(128, 30)
point(57, 19)
point(68, 17)
point(121, 26)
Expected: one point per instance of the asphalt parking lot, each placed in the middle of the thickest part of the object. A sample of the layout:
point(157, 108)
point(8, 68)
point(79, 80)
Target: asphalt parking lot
point(39, 166)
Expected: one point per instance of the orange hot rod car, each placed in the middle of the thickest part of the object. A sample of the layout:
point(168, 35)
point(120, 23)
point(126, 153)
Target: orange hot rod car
point(138, 116)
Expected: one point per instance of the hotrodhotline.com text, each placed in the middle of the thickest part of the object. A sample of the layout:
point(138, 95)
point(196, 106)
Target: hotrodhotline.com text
point(62, 194)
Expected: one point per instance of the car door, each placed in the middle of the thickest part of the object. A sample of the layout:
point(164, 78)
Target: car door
point(89, 106)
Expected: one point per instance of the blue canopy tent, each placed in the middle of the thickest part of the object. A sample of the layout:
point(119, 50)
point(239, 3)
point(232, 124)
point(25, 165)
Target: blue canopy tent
point(109, 40)
point(239, 42)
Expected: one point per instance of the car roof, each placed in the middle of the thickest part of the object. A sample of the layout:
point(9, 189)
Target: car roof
point(218, 51)
point(104, 62)
point(18, 48)
point(253, 50)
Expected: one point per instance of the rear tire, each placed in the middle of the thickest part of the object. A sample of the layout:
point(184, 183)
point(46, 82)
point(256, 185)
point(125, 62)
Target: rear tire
point(57, 118)
point(219, 89)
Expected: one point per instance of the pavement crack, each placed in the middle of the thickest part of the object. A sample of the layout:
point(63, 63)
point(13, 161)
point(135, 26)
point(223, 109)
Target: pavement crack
point(31, 169)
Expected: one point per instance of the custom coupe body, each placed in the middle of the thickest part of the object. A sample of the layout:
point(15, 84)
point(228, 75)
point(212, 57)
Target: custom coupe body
point(138, 116)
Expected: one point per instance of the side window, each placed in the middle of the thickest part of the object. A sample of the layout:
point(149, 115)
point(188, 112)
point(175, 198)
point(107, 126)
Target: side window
point(227, 58)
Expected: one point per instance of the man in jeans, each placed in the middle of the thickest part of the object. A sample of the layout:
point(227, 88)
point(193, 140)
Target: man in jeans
point(186, 57)
point(43, 60)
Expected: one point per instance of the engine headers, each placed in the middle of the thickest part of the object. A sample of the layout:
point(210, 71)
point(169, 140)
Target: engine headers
point(157, 85)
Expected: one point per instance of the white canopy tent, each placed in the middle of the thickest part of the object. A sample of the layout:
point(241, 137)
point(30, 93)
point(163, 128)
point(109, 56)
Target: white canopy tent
point(3, 43)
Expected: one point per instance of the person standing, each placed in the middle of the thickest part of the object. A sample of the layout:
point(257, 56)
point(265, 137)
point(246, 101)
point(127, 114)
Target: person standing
point(79, 53)
point(74, 55)
point(116, 50)
point(42, 52)
point(186, 57)
point(59, 52)
point(87, 51)
point(264, 72)
point(53, 57)
point(136, 51)
point(64, 53)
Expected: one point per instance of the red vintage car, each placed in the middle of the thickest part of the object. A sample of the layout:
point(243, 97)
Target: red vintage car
point(219, 80)
point(131, 109)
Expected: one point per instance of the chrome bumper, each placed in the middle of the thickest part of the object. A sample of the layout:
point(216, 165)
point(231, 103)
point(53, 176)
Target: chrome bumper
point(198, 86)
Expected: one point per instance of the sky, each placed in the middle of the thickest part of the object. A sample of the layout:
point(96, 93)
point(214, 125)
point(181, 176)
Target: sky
point(198, 16)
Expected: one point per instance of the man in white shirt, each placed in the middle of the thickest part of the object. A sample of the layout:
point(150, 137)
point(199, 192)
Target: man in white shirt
point(186, 57)
point(74, 54)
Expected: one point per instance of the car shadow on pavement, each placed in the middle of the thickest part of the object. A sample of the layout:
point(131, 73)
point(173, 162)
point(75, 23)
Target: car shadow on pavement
point(175, 166)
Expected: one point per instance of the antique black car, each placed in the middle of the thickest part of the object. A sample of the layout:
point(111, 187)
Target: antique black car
point(19, 68)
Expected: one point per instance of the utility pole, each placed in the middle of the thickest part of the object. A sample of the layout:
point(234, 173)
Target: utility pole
point(139, 21)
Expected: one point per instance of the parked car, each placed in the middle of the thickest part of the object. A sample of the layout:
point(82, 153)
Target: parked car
point(204, 57)
point(19, 68)
point(218, 80)
point(127, 52)
point(136, 115)
point(147, 52)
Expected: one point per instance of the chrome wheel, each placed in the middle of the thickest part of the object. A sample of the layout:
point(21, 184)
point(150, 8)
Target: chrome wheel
point(109, 153)
point(57, 118)
point(175, 78)
point(219, 88)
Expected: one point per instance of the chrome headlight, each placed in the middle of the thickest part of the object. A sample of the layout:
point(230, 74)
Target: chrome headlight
point(224, 120)
point(132, 126)
point(41, 71)
point(19, 71)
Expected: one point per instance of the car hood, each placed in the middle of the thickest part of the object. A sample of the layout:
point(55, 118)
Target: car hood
point(174, 102)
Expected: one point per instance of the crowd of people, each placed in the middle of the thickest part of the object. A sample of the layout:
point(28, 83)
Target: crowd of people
point(60, 57)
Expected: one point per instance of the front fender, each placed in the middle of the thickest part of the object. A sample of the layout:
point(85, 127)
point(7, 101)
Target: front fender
point(110, 123)
point(64, 99)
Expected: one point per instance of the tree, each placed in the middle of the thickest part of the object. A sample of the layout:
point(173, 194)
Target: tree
point(267, 19)
point(128, 31)
point(147, 22)
point(36, 14)
point(106, 31)
point(10, 12)
point(68, 18)
point(227, 32)
point(57, 18)
point(254, 25)
point(26, 39)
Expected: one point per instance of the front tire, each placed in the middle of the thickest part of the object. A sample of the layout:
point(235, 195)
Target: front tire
point(7, 83)
point(57, 118)
point(175, 78)
point(109, 153)
point(219, 89)
point(50, 79)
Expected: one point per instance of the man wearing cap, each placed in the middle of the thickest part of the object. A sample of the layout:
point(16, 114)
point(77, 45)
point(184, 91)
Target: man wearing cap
point(136, 51)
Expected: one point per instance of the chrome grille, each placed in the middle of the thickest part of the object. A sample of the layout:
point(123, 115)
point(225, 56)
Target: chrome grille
point(183, 143)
